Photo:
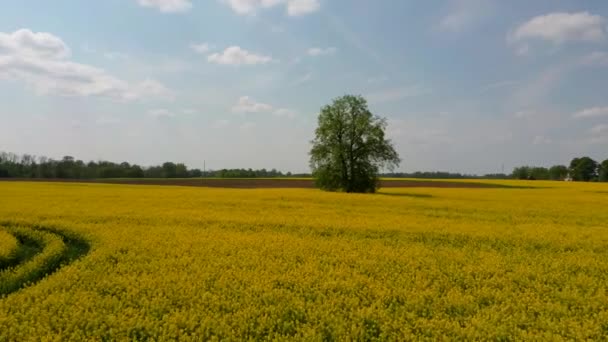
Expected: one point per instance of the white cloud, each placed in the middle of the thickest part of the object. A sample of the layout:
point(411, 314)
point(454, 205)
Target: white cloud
point(149, 88)
point(27, 44)
point(284, 112)
point(235, 55)
point(599, 129)
point(246, 104)
point(200, 48)
point(301, 7)
point(541, 140)
point(591, 113)
point(40, 60)
point(395, 94)
point(465, 14)
point(562, 27)
point(167, 6)
point(161, 113)
point(597, 58)
point(244, 7)
point(315, 51)
point(292, 7)
point(303, 79)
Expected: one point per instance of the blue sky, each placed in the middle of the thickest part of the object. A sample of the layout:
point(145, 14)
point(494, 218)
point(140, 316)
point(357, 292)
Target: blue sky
point(466, 85)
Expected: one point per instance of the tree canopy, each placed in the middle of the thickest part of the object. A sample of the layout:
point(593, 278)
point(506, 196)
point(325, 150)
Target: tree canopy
point(28, 166)
point(603, 174)
point(583, 169)
point(350, 147)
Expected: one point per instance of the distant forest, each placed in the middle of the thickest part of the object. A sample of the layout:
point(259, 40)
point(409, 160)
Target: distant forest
point(28, 166)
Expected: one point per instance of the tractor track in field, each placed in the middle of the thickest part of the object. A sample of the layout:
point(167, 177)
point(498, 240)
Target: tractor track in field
point(41, 252)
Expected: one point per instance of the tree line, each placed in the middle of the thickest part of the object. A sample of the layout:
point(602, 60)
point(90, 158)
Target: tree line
point(28, 166)
point(583, 169)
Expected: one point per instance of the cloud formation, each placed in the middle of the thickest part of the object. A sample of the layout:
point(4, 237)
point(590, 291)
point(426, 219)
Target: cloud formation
point(167, 6)
point(316, 52)
point(246, 104)
point(600, 129)
point(235, 55)
point(41, 61)
point(593, 112)
point(561, 27)
point(465, 14)
point(293, 8)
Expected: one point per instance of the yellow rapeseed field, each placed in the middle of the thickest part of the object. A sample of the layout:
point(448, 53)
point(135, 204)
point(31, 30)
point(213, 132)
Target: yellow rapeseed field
point(8, 246)
point(167, 263)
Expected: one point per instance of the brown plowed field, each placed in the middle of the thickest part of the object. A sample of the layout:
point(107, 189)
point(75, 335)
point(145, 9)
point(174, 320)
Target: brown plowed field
point(263, 183)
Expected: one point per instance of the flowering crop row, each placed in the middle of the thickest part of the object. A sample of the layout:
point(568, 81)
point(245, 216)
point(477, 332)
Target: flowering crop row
point(51, 249)
point(8, 248)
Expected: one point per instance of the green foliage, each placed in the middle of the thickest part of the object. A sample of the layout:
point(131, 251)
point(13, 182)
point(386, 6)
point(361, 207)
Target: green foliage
point(558, 172)
point(27, 166)
point(350, 147)
point(248, 173)
point(539, 173)
point(51, 249)
point(522, 172)
point(603, 173)
point(583, 169)
point(531, 173)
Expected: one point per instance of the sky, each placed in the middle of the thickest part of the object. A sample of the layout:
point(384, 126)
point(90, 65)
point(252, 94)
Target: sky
point(472, 86)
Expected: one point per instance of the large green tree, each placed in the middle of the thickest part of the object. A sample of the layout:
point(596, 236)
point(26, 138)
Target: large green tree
point(558, 172)
point(540, 173)
point(603, 176)
point(583, 169)
point(521, 172)
point(350, 147)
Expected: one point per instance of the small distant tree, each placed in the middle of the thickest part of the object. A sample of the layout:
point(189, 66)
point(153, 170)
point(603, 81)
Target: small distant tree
point(539, 173)
point(603, 174)
point(583, 169)
point(169, 170)
point(558, 172)
point(350, 147)
point(522, 172)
